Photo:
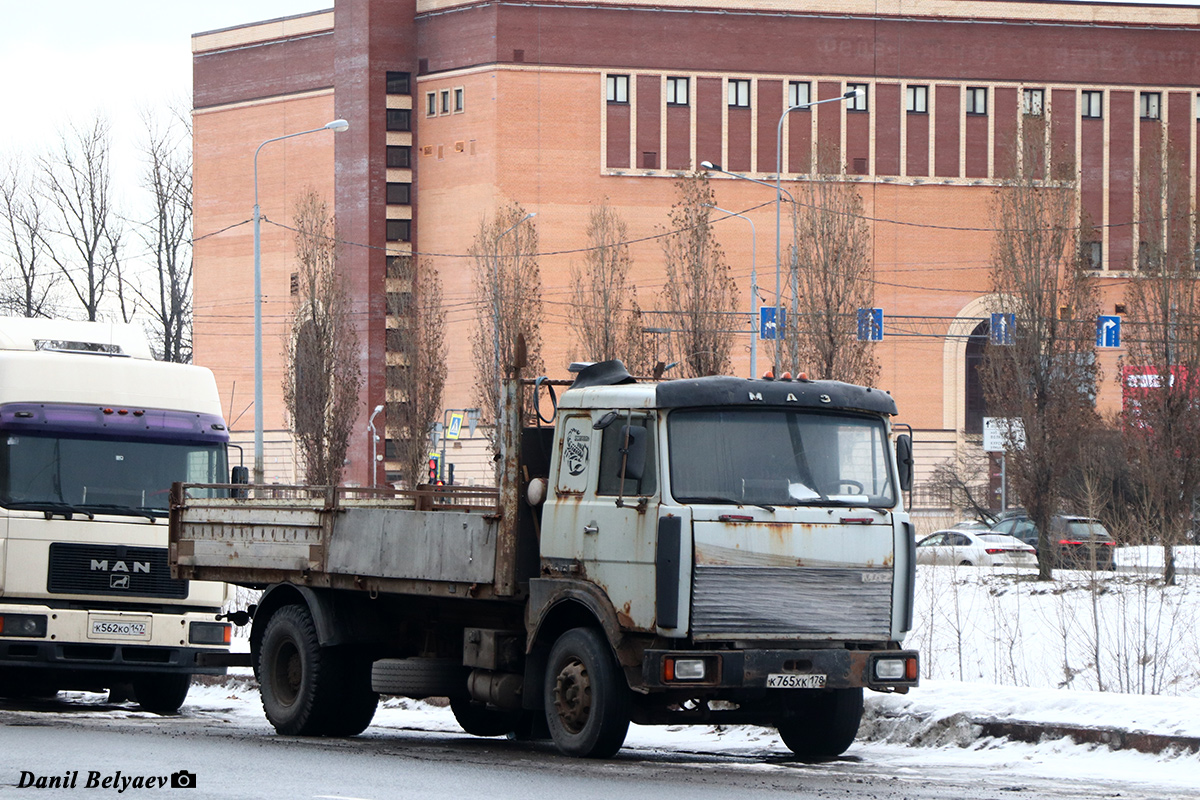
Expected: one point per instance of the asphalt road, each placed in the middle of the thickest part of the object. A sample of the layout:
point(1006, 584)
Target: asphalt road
point(234, 757)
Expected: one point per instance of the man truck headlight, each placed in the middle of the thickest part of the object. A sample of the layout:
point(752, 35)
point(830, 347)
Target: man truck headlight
point(210, 633)
point(31, 625)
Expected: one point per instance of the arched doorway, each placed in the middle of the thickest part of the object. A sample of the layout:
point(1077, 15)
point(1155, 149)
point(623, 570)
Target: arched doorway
point(975, 404)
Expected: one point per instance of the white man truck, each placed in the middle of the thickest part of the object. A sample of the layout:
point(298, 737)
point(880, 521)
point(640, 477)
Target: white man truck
point(94, 431)
point(716, 550)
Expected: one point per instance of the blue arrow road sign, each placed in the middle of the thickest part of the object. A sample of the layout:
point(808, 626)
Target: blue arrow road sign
point(1002, 328)
point(766, 321)
point(870, 324)
point(1108, 331)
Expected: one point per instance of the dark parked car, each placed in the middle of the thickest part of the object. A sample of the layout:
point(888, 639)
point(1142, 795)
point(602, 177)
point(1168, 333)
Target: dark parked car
point(1077, 540)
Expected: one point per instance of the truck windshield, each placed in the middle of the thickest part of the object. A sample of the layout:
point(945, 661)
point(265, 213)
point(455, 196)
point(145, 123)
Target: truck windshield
point(779, 457)
point(106, 476)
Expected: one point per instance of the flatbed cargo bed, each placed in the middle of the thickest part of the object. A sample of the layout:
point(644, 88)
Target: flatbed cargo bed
point(435, 541)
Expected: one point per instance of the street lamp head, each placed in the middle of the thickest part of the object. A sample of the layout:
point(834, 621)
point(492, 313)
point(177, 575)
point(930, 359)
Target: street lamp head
point(710, 165)
point(378, 408)
point(853, 93)
point(338, 125)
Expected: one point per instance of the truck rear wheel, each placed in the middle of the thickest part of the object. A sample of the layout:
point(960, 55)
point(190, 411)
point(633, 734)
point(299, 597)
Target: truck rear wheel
point(821, 723)
point(163, 693)
point(356, 708)
point(478, 719)
point(299, 680)
point(587, 700)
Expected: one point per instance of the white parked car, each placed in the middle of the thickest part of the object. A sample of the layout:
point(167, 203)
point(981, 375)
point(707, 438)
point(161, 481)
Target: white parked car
point(975, 549)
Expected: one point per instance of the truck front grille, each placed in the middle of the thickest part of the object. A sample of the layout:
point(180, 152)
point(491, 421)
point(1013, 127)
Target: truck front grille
point(792, 602)
point(112, 570)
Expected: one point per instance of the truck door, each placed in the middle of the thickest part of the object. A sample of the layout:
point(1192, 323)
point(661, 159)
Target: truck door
point(605, 524)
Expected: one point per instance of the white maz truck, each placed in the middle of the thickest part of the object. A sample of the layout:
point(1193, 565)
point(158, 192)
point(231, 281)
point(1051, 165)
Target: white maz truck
point(93, 431)
point(716, 550)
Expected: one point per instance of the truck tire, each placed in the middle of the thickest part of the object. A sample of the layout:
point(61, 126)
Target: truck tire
point(587, 699)
point(358, 703)
point(162, 693)
point(821, 724)
point(300, 681)
point(479, 720)
point(419, 677)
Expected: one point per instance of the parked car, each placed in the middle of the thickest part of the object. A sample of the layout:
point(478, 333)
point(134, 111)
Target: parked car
point(971, 548)
point(1076, 540)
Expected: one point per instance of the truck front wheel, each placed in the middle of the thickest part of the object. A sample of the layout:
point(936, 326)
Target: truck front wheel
point(161, 694)
point(299, 680)
point(821, 724)
point(587, 700)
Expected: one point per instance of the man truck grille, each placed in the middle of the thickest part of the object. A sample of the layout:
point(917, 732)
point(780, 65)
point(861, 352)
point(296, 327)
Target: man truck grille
point(115, 571)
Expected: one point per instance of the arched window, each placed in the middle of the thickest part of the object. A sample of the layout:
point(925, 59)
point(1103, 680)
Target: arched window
point(976, 404)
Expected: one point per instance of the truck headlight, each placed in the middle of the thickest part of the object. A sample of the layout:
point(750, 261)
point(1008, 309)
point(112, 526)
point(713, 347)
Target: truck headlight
point(210, 633)
point(684, 669)
point(896, 669)
point(30, 625)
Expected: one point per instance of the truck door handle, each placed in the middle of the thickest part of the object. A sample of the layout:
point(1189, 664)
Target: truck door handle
point(591, 529)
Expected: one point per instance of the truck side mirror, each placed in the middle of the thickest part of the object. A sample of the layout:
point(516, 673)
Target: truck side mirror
point(633, 441)
point(239, 475)
point(904, 461)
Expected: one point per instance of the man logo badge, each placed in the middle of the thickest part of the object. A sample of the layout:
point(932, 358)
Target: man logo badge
point(118, 581)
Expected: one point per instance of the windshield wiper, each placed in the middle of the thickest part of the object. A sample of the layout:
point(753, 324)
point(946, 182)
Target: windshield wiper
point(151, 514)
point(50, 507)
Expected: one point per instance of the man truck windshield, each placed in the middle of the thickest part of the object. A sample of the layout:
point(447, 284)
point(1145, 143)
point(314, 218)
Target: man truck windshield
point(62, 473)
point(779, 457)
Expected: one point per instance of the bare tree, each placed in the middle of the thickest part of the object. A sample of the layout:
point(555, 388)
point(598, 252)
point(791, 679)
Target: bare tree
point(831, 277)
point(84, 234)
point(1162, 352)
point(24, 250)
point(508, 292)
point(1044, 376)
point(700, 294)
point(323, 380)
point(608, 320)
point(416, 372)
point(168, 236)
point(963, 482)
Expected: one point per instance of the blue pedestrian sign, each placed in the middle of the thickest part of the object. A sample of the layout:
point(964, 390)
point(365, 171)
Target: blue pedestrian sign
point(1001, 331)
point(456, 421)
point(870, 324)
point(1108, 331)
point(766, 322)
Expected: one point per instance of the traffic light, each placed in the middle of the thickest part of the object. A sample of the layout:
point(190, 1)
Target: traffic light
point(433, 469)
point(450, 474)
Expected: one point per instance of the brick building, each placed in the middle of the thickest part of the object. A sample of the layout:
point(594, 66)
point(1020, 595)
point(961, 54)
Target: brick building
point(458, 106)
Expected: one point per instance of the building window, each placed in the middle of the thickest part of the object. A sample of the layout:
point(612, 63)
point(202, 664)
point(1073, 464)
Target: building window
point(399, 119)
point(1151, 104)
point(1092, 105)
point(618, 88)
point(399, 157)
point(977, 99)
point(859, 101)
point(1198, 106)
point(677, 91)
point(799, 93)
point(739, 93)
point(918, 99)
point(399, 194)
point(398, 230)
point(460, 100)
point(445, 101)
point(430, 104)
point(1095, 255)
point(1032, 102)
point(398, 83)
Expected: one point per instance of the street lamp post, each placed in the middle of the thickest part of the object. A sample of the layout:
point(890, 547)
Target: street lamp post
point(779, 192)
point(337, 126)
point(374, 444)
point(753, 288)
